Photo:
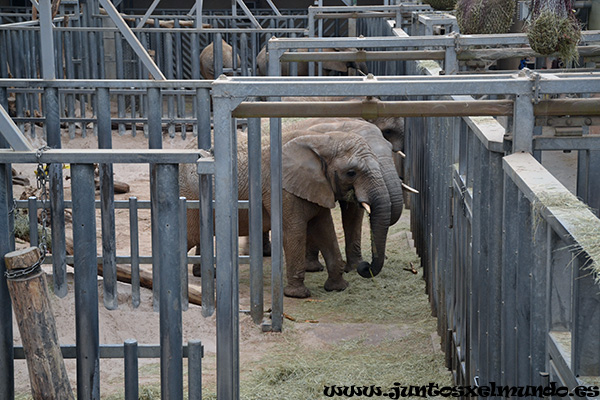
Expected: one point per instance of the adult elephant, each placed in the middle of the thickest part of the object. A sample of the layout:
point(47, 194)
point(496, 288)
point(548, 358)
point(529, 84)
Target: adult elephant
point(352, 213)
point(329, 67)
point(318, 169)
point(207, 59)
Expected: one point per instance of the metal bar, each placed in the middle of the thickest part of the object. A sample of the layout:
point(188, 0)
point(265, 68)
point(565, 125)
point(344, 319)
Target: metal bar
point(218, 55)
point(206, 206)
point(273, 7)
point(86, 288)
point(47, 40)
point(11, 132)
point(155, 107)
point(227, 262)
point(523, 123)
point(195, 354)
point(108, 351)
point(167, 219)
point(7, 374)
point(362, 55)
point(524, 286)
point(540, 297)
point(276, 226)
point(134, 245)
point(148, 13)
point(130, 353)
point(369, 109)
point(132, 40)
point(52, 124)
point(126, 156)
point(249, 14)
point(255, 219)
point(33, 221)
point(107, 198)
point(183, 253)
point(588, 142)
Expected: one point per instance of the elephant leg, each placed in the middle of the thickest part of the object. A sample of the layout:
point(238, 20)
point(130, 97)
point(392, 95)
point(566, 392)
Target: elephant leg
point(322, 229)
point(312, 255)
point(197, 268)
point(352, 215)
point(266, 244)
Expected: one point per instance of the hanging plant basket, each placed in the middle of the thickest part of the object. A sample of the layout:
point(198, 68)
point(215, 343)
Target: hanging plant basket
point(485, 16)
point(550, 32)
point(441, 4)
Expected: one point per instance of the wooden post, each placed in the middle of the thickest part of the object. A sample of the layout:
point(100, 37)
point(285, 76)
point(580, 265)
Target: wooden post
point(31, 304)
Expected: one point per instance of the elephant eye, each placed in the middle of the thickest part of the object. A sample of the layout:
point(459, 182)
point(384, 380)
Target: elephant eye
point(351, 173)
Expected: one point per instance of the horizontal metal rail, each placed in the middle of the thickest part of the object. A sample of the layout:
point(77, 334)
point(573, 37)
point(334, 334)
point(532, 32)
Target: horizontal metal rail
point(108, 351)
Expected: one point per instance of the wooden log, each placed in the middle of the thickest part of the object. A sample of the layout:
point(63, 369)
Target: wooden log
point(33, 311)
point(124, 275)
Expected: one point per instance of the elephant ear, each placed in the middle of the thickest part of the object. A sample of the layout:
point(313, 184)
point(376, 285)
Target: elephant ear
point(303, 171)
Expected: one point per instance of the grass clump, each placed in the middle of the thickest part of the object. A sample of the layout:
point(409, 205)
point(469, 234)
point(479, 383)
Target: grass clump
point(550, 33)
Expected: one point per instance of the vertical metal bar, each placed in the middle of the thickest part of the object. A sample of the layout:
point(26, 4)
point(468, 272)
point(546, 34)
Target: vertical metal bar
point(167, 221)
point(523, 123)
point(510, 253)
point(86, 287)
point(183, 252)
point(226, 210)
point(57, 203)
point(155, 142)
point(130, 350)
point(244, 54)
point(276, 226)
point(255, 218)
point(477, 273)
point(107, 203)
point(33, 221)
point(206, 206)
point(135, 252)
point(586, 318)
point(195, 355)
point(540, 298)
point(47, 40)
point(523, 293)
point(7, 374)
point(169, 75)
point(218, 55)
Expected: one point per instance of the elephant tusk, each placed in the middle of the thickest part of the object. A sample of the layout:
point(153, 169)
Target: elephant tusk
point(399, 152)
point(412, 190)
point(366, 207)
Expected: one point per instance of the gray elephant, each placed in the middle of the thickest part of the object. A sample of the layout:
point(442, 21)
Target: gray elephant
point(329, 67)
point(318, 170)
point(352, 213)
point(207, 60)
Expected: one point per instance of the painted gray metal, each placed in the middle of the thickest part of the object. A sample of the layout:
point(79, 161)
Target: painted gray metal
point(115, 351)
point(86, 288)
point(195, 354)
point(107, 198)
point(134, 245)
point(183, 270)
point(167, 218)
point(130, 354)
point(11, 132)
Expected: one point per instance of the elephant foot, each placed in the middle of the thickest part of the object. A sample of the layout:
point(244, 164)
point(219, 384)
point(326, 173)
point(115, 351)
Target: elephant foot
point(335, 285)
point(299, 292)
point(197, 270)
point(314, 266)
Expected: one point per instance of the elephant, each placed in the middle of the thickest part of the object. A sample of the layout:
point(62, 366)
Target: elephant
point(329, 67)
point(318, 170)
point(352, 213)
point(207, 63)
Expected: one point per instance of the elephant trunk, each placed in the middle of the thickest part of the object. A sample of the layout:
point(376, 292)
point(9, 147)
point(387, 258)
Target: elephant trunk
point(394, 187)
point(379, 200)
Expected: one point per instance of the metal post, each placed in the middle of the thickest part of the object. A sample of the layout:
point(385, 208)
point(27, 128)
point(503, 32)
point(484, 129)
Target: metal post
point(33, 221)
point(206, 206)
point(540, 297)
point(107, 202)
point(130, 349)
point(167, 221)
point(86, 287)
point(183, 252)
point(218, 55)
point(135, 252)
point(195, 354)
point(57, 204)
point(155, 142)
point(255, 218)
point(47, 40)
point(523, 292)
point(226, 209)
point(523, 123)
point(276, 226)
point(7, 374)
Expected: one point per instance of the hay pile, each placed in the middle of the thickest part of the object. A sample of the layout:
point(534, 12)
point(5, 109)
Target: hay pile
point(441, 4)
point(553, 28)
point(485, 16)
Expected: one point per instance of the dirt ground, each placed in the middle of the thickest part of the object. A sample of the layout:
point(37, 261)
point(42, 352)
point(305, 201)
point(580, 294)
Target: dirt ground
point(377, 332)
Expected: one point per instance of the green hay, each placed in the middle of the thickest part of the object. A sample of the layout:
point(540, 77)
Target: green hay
point(550, 33)
point(585, 227)
point(485, 16)
point(22, 229)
